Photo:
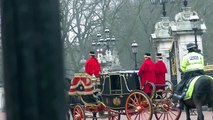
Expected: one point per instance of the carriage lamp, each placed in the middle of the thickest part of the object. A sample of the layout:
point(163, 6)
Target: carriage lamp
point(134, 47)
point(194, 19)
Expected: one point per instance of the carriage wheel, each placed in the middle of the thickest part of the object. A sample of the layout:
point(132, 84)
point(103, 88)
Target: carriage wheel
point(114, 115)
point(170, 85)
point(138, 106)
point(166, 110)
point(166, 94)
point(168, 90)
point(78, 113)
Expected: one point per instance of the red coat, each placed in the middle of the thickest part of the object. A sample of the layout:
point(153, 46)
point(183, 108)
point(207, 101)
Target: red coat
point(93, 67)
point(160, 72)
point(147, 73)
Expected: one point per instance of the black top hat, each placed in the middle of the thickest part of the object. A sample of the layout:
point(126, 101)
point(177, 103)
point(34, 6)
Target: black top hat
point(159, 55)
point(92, 53)
point(147, 55)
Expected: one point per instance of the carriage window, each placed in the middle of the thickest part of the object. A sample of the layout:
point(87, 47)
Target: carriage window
point(115, 82)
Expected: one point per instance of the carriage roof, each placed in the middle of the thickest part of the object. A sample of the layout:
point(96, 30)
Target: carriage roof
point(121, 72)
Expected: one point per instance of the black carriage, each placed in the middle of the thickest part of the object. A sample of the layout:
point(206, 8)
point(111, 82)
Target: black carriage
point(116, 87)
point(120, 94)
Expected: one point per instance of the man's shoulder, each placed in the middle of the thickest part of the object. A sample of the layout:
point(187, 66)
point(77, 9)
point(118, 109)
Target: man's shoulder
point(90, 59)
point(148, 61)
point(188, 54)
point(152, 63)
point(160, 62)
point(193, 54)
point(199, 54)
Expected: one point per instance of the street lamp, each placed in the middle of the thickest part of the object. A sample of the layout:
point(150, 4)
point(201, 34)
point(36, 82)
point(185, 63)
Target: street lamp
point(107, 32)
point(107, 39)
point(98, 36)
point(185, 3)
point(134, 47)
point(194, 19)
point(104, 43)
point(162, 2)
point(94, 45)
point(113, 40)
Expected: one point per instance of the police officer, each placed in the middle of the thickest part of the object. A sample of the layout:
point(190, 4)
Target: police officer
point(192, 65)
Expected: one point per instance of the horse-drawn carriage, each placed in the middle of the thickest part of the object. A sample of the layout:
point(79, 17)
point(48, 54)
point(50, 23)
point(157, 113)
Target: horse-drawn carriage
point(119, 94)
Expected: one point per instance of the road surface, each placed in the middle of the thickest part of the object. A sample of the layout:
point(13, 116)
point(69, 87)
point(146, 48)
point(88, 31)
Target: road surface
point(207, 114)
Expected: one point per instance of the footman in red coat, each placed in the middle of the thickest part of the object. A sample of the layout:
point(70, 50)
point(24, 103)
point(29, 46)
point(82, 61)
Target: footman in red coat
point(147, 73)
point(160, 71)
point(92, 65)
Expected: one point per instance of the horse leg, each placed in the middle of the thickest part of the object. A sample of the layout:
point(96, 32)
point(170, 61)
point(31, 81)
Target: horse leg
point(199, 111)
point(187, 113)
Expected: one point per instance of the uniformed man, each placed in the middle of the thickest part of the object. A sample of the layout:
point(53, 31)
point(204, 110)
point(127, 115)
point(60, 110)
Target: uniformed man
point(160, 71)
point(192, 65)
point(147, 73)
point(92, 66)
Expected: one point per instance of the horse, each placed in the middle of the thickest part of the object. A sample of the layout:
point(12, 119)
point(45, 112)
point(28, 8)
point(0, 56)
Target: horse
point(201, 95)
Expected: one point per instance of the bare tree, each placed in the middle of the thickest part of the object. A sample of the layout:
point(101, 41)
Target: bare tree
point(78, 21)
point(127, 20)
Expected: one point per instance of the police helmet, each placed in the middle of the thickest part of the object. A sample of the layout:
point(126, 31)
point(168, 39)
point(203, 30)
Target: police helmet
point(190, 46)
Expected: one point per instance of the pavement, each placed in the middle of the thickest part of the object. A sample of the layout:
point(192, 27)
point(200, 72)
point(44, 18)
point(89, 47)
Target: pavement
point(207, 114)
point(2, 116)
